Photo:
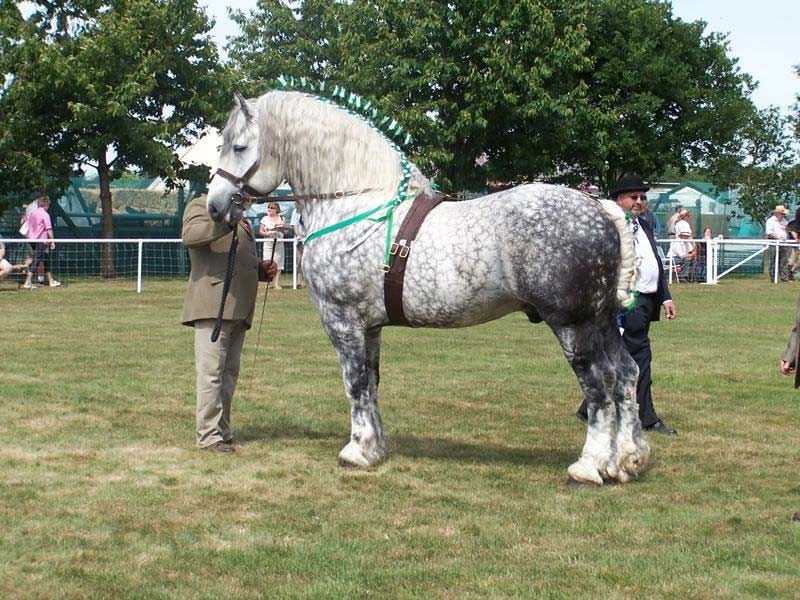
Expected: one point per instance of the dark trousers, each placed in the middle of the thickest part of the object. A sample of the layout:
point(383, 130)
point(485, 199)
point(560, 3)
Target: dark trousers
point(637, 341)
point(783, 261)
point(41, 254)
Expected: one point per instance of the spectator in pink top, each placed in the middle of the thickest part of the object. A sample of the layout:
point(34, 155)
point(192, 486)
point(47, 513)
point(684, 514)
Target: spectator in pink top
point(40, 228)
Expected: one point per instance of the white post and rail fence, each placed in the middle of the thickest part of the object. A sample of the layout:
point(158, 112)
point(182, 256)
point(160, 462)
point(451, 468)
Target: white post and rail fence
point(144, 258)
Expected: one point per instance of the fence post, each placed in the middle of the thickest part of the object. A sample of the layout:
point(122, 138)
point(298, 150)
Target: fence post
point(139, 268)
point(294, 263)
point(777, 263)
point(710, 261)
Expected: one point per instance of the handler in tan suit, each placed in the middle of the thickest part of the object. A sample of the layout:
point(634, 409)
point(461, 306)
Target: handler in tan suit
point(789, 357)
point(217, 363)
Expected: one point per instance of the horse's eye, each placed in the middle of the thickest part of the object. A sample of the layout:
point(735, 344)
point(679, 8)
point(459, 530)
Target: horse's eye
point(239, 148)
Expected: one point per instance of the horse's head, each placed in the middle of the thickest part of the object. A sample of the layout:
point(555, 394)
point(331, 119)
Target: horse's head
point(244, 170)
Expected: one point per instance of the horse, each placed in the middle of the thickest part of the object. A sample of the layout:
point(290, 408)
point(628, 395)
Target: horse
point(562, 258)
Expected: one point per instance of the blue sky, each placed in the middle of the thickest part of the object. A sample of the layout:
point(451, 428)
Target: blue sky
point(762, 35)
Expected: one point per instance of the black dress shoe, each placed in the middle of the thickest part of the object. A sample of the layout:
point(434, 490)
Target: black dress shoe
point(662, 428)
point(224, 447)
point(581, 417)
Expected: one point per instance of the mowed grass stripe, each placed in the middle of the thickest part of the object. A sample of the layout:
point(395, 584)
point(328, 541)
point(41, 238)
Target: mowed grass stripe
point(105, 495)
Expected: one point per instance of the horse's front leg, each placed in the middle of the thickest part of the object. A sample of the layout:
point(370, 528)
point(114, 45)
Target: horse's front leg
point(359, 353)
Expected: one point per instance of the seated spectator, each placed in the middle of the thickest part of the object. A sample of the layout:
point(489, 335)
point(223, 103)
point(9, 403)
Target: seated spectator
point(5, 266)
point(683, 254)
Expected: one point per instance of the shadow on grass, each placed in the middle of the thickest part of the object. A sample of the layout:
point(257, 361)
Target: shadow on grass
point(412, 446)
point(292, 431)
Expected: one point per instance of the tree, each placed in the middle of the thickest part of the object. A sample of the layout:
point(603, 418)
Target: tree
point(559, 89)
point(113, 84)
point(762, 163)
point(660, 93)
point(466, 77)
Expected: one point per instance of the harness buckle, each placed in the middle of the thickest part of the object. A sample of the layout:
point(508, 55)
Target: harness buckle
point(404, 250)
point(385, 268)
point(393, 248)
point(338, 194)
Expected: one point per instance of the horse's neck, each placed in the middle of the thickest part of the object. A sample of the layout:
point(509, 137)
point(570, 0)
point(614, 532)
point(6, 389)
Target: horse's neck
point(321, 213)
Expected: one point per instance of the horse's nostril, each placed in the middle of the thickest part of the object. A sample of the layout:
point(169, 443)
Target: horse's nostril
point(213, 212)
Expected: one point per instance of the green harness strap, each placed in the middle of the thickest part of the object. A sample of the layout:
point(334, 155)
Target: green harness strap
point(388, 216)
point(359, 217)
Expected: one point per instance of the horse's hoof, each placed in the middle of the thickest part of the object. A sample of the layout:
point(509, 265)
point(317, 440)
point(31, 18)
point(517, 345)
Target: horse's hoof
point(583, 472)
point(632, 462)
point(353, 456)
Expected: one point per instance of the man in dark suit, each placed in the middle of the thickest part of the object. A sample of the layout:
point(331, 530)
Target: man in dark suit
point(653, 293)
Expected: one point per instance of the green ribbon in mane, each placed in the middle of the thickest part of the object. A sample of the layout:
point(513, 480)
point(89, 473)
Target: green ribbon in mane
point(368, 114)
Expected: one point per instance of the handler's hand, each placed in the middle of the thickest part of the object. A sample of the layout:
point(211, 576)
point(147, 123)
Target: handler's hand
point(786, 368)
point(269, 268)
point(669, 310)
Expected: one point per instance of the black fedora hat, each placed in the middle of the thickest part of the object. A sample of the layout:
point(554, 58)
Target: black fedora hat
point(629, 183)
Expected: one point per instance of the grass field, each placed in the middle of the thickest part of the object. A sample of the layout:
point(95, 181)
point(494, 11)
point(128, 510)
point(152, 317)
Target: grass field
point(103, 493)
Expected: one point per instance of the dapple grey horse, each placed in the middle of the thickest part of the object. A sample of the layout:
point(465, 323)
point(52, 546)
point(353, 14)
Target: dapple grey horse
point(562, 258)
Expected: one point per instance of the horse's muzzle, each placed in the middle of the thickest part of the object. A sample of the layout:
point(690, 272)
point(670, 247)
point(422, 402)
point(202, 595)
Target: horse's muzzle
point(232, 211)
point(215, 213)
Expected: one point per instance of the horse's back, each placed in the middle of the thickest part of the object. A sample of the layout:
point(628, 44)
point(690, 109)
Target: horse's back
point(540, 246)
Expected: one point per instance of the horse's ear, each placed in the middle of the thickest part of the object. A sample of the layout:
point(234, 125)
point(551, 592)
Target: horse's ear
point(242, 104)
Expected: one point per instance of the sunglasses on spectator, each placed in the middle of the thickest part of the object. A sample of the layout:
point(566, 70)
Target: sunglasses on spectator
point(639, 197)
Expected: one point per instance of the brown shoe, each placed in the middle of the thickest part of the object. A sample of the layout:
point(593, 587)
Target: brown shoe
point(220, 447)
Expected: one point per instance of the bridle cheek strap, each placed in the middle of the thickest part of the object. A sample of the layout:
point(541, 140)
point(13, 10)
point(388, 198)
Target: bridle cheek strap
point(247, 191)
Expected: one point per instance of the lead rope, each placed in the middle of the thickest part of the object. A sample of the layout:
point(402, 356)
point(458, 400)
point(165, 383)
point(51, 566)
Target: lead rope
point(226, 284)
point(260, 323)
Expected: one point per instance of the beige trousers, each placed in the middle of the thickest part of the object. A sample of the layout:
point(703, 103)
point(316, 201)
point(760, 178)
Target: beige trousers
point(217, 366)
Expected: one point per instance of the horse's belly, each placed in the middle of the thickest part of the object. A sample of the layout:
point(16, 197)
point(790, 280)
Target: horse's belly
point(456, 294)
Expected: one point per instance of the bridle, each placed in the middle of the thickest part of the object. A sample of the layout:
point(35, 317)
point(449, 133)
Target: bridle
point(246, 192)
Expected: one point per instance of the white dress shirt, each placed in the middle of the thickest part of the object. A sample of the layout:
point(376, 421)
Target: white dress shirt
point(648, 265)
point(777, 227)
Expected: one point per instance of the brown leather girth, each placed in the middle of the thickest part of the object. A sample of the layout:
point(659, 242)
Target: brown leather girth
point(398, 256)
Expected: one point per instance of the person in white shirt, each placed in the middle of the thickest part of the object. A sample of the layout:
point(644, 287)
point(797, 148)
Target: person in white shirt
point(682, 250)
point(672, 220)
point(776, 230)
point(298, 231)
point(653, 293)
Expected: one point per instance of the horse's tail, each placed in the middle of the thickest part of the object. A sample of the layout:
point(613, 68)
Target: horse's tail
point(628, 275)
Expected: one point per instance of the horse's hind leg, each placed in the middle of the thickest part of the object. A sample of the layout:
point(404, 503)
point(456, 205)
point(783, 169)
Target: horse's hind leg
point(583, 347)
point(359, 354)
point(633, 451)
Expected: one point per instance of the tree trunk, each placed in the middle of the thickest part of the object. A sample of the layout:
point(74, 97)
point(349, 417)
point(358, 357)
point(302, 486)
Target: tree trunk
point(107, 268)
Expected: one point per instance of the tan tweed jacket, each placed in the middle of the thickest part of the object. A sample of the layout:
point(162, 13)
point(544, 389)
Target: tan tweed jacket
point(208, 243)
point(790, 354)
